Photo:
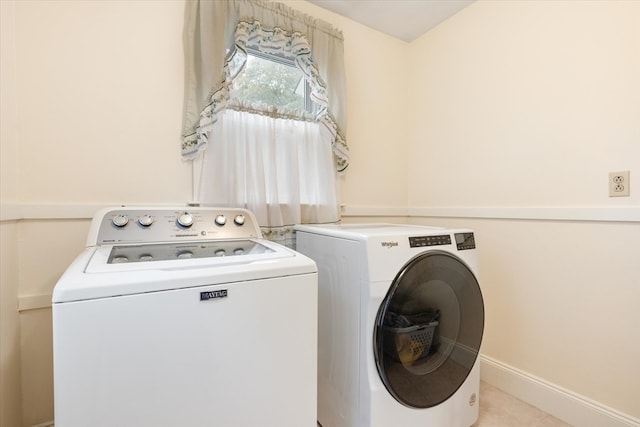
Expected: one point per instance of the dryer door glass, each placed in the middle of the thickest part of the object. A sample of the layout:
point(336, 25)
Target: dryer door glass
point(429, 329)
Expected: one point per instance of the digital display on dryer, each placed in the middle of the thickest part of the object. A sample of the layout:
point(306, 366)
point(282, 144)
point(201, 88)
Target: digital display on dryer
point(465, 241)
point(422, 241)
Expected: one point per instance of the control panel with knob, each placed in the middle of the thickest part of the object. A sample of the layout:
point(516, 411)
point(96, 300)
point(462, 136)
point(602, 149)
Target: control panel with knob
point(221, 220)
point(145, 220)
point(120, 220)
point(239, 220)
point(185, 220)
point(157, 224)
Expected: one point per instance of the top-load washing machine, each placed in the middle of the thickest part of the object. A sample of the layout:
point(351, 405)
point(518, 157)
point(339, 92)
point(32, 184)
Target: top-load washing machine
point(184, 317)
point(400, 323)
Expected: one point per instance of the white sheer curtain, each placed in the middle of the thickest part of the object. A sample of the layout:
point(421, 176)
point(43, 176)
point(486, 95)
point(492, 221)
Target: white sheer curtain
point(279, 168)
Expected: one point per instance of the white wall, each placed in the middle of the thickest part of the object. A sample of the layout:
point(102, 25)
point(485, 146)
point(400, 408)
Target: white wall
point(10, 383)
point(518, 112)
point(92, 95)
point(8, 99)
point(101, 87)
point(533, 103)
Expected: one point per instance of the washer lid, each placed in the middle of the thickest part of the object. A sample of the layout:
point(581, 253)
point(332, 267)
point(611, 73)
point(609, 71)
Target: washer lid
point(209, 253)
point(96, 272)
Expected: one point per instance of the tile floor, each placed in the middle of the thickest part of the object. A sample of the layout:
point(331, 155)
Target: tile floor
point(499, 409)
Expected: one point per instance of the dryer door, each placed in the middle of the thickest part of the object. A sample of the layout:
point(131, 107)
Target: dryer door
point(429, 329)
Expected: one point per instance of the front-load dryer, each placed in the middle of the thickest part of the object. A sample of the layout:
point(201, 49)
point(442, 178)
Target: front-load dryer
point(400, 322)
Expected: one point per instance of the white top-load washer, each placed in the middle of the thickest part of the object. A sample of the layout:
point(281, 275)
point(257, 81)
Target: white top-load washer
point(184, 317)
point(400, 323)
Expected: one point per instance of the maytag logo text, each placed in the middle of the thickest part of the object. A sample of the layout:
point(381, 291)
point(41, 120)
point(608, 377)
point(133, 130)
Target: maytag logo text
point(204, 296)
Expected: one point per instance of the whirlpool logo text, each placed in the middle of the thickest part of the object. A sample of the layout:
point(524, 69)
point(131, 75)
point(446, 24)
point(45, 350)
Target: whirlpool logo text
point(389, 244)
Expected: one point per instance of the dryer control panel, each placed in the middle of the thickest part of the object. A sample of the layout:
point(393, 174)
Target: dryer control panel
point(154, 224)
point(463, 241)
point(433, 240)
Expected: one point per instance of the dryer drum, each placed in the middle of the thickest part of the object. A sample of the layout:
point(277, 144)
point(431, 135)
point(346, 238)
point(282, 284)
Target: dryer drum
point(408, 338)
point(424, 354)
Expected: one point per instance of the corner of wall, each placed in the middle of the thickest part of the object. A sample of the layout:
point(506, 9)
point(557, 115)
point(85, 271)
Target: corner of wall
point(10, 354)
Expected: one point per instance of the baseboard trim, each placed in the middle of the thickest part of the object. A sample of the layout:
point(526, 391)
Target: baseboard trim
point(566, 405)
point(34, 302)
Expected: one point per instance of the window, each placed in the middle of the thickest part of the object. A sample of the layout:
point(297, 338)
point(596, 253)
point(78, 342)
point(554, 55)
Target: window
point(265, 111)
point(272, 82)
point(269, 155)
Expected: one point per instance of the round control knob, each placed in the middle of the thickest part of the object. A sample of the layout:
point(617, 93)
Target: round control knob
point(185, 220)
point(120, 220)
point(145, 220)
point(221, 220)
point(184, 254)
point(239, 220)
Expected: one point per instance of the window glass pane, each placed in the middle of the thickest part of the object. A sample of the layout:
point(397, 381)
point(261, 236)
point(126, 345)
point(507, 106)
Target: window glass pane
point(276, 83)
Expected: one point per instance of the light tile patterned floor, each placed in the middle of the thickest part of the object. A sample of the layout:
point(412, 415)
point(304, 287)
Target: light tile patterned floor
point(499, 409)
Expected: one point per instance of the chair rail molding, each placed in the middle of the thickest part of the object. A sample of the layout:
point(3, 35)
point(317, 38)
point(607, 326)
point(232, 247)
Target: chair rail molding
point(15, 211)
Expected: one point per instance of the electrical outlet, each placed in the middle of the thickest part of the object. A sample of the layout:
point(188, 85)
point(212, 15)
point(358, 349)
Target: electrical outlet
point(619, 184)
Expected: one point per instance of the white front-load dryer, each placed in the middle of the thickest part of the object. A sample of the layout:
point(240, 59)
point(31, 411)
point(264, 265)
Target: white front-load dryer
point(400, 324)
